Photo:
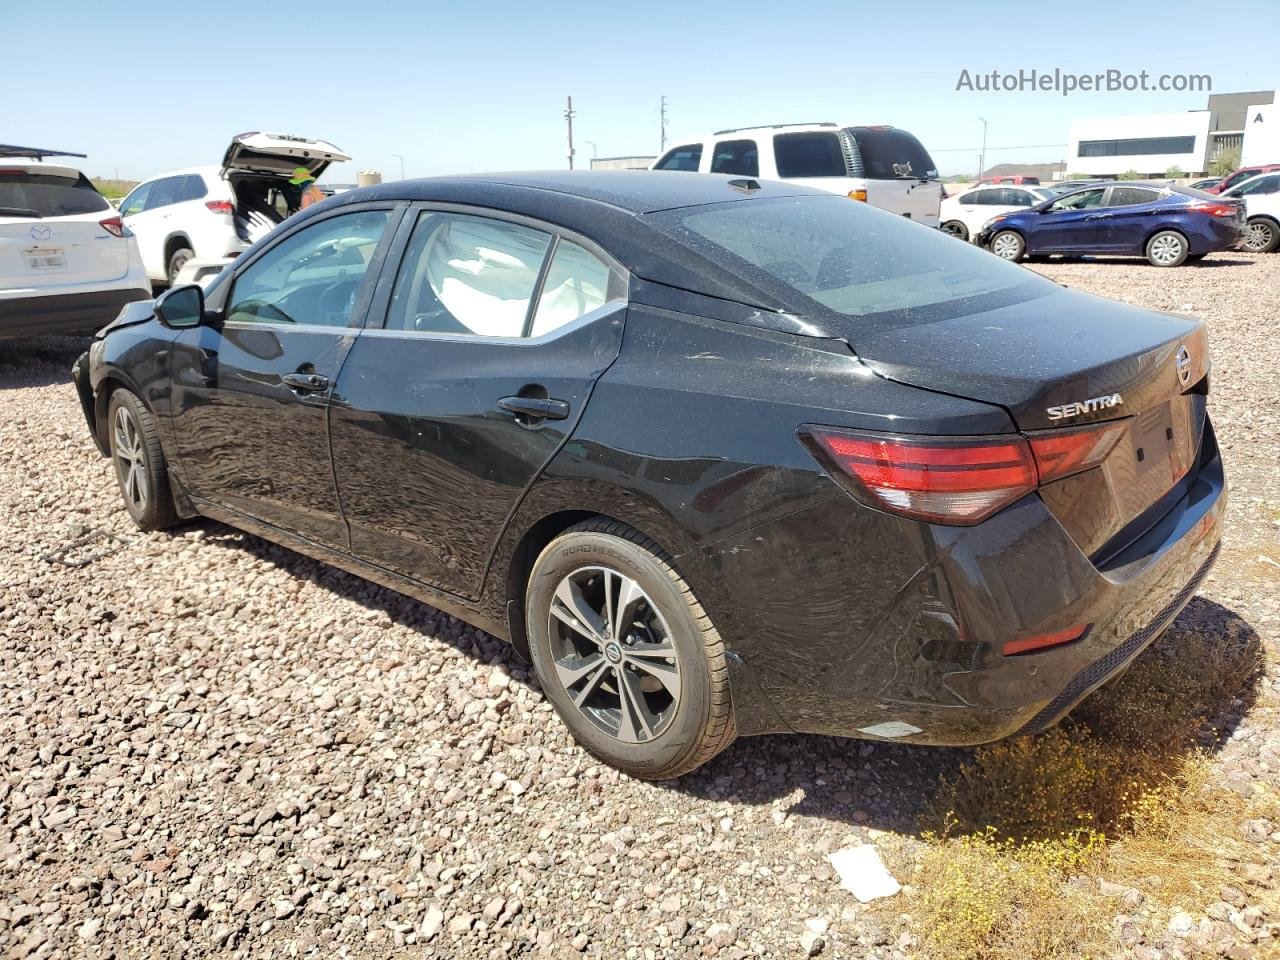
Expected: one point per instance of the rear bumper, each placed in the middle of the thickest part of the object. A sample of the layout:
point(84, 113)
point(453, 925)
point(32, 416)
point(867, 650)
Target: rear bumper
point(64, 313)
point(892, 630)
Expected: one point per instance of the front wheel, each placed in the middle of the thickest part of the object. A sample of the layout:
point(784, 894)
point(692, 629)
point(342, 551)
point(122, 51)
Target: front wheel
point(1168, 248)
point(177, 260)
point(956, 229)
point(141, 472)
point(1008, 245)
point(626, 654)
point(1261, 236)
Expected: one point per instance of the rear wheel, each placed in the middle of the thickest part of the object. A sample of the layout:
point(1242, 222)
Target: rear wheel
point(178, 259)
point(1261, 236)
point(1168, 248)
point(1008, 245)
point(626, 654)
point(956, 229)
point(141, 471)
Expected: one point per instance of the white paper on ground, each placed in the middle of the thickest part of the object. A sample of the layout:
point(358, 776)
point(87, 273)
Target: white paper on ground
point(863, 874)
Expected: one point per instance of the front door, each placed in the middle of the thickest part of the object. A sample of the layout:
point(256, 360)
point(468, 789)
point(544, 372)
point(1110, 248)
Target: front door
point(494, 333)
point(251, 395)
point(1069, 224)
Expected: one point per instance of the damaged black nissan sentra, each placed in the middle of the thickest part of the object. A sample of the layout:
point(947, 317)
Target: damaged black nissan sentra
point(721, 457)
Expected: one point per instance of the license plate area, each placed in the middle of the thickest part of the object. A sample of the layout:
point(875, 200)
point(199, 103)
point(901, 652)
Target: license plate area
point(44, 258)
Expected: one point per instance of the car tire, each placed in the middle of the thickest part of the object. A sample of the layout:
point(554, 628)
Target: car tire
point(649, 715)
point(1008, 245)
point(177, 259)
point(1167, 248)
point(1262, 235)
point(141, 472)
point(956, 229)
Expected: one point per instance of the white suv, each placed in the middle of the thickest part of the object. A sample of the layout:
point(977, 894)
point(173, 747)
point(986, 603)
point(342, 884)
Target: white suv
point(67, 264)
point(884, 166)
point(1261, 196)
point(213, 212)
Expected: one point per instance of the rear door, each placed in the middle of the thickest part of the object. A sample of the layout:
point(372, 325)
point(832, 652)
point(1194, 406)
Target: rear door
point(51, 230)
point(900, 175)
point(251, 395)
point(145, 212)
point(1126, 216)
point(480, 356)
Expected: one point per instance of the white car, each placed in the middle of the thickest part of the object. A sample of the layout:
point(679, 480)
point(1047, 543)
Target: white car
point(1261, 196)
point(213, 212)
point(67, 263)
point(964, 215)
point(883, 166)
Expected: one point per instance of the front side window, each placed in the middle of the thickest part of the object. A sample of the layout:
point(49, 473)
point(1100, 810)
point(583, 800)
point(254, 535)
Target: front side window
point(1238, 177)
point(136, 201)
point(463, 274)
point(311, 277)
point(681, 158)
point(1083, 200)
point(739, 157)
point(165, 192)
point(34, 193)
point(1022, 198)
point(809, 155)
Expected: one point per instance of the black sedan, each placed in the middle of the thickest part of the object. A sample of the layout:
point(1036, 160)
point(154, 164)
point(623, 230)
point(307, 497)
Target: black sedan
point(721, 457)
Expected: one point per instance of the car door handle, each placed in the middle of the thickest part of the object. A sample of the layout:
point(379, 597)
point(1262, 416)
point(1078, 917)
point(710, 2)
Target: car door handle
point(535, 408)
point(306, 382)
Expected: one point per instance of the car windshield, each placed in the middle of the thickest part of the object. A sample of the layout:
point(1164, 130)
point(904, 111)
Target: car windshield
point(889, 154)
point(850, 259)
point(31, 193)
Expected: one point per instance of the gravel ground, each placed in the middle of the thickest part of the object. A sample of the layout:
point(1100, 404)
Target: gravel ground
point(210, 745)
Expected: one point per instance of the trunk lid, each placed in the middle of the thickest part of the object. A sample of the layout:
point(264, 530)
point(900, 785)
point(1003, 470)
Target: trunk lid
point(279, 153)
point(1068, 360)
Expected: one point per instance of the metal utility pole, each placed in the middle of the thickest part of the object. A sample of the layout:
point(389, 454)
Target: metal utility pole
point(401, 159)
point(662, 124)
point(982, 161)
point(568, 116)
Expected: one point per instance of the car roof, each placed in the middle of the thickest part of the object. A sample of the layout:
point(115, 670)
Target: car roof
point(208, 170)
point(634, 191)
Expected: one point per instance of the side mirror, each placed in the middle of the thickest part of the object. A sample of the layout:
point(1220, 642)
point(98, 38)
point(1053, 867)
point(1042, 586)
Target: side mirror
point(181, 307)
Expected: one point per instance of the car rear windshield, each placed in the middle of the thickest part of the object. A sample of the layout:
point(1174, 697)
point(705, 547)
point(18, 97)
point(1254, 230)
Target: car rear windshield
point(850, 259)
point(28, 193)
point(885, 153)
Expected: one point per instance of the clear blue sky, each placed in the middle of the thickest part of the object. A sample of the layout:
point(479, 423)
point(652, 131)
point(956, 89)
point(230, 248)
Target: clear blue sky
point(147, 86)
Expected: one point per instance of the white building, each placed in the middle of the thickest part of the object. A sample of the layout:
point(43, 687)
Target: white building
point(1152, 143)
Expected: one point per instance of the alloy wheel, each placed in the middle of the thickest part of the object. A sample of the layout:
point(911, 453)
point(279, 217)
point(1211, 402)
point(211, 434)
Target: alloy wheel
point(131, 460)
point(1258, 236)
point(1166, 250)
point(614, 654)
point(1005, 246)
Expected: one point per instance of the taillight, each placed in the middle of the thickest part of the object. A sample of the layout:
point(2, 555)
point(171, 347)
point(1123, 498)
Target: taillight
point(1214, 209)
point(945, 480)
point(859, 194)
point(113, 226)
point(220, 206)
point(1060, 453)
point(955, 480)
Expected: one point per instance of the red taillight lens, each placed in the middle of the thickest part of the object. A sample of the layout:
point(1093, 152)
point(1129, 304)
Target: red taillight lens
point(1012, 648)
point(1214, 209)
point(958, 481)
point(220, 206)
point(113, 226)
point(955, 480)
point(1060, 453)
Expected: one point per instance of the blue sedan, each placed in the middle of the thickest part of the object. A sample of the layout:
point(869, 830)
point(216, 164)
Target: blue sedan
point(1167, 224)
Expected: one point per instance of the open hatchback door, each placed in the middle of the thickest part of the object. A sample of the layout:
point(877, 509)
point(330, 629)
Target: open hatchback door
point(279, 153)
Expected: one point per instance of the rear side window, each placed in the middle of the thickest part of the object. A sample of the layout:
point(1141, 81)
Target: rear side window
point(467, 275)
point(577, 282)
point(809, 155)
point(1262, 185)
point(681, 158)
point(1130, 196)
point(738, 157)
point(192, 188)
point(165, 192)
point(885, 153)
point(28, 193)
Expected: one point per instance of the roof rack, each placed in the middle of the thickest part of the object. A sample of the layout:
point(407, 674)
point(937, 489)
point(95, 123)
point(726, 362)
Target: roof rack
point(10, 152)
point(774, 126)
